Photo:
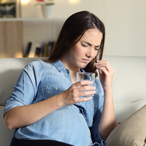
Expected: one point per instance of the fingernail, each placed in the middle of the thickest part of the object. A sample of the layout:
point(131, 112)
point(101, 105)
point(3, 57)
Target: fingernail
point(90, 96)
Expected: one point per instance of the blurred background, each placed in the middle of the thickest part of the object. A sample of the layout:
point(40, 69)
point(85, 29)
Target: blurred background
point(125, 23)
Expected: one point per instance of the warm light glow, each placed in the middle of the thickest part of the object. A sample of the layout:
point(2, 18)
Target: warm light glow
point(4, 55)
point(25, 2)
point(74, 1)
point(3, 1)
point(18, 55)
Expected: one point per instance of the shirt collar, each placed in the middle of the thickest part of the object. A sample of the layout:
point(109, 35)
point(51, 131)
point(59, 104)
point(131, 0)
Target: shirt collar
point(59, 65)
point(82, 70)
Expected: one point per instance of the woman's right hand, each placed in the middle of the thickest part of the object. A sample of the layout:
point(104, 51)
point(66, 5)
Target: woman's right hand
point(79, 89)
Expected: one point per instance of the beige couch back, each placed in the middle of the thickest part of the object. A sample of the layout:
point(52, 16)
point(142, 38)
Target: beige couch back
point(129, 85)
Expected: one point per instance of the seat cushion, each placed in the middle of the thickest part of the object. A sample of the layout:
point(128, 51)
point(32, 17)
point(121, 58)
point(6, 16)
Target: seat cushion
point(131, 132)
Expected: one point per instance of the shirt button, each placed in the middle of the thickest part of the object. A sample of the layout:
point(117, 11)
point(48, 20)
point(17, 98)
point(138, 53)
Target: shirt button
point(56, 88)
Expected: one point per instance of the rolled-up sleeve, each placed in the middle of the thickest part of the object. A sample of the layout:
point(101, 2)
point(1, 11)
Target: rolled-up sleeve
point(25, 89)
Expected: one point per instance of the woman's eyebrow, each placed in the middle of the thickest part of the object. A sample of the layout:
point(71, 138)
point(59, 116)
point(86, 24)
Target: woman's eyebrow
point(91, 44)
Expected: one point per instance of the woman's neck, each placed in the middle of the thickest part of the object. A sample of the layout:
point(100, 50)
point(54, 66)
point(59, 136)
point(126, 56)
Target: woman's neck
point(70, 66)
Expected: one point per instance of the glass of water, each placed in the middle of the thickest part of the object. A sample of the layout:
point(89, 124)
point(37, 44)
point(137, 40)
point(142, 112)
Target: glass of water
point(90, 76)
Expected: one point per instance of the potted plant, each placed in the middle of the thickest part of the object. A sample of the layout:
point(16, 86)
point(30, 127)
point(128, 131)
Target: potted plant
point(47, 7)
point(45, 2)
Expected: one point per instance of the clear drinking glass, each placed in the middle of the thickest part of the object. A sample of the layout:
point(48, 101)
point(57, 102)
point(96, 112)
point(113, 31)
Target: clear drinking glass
point(90, 76)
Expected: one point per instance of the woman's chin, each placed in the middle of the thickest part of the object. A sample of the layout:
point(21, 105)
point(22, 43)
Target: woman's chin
point(82, 65)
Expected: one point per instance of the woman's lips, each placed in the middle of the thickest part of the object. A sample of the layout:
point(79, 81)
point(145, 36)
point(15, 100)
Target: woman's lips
point(85, 60)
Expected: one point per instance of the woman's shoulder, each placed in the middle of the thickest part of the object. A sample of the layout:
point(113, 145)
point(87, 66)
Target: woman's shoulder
point(39, 67)
point(38, 64)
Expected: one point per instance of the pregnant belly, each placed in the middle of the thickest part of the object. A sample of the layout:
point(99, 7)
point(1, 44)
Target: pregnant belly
point(66, 124)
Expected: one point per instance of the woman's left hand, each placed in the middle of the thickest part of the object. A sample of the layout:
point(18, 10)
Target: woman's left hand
point(106, 74)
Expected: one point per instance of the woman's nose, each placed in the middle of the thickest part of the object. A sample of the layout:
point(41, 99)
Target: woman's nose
point(90, 53)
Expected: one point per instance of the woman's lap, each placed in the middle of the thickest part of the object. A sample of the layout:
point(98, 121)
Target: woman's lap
point(17, 142)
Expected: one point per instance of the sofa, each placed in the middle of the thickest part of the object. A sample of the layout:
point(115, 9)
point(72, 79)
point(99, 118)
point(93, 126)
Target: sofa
point(129, 86)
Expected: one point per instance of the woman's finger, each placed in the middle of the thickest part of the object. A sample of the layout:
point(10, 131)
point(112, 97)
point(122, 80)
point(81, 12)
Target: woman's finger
point(85, 99)
point(86, 93)
point(105, 62)
point(106, 65)
point(104, 70)
point(83, 91)
point(83, 82)
point(86, 87)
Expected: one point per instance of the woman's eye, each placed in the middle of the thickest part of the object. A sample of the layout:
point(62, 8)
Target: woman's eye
point(84, 45)
point(96, 49)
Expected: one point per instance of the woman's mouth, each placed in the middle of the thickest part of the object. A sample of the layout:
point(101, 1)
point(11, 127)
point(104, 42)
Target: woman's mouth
point(85, 60)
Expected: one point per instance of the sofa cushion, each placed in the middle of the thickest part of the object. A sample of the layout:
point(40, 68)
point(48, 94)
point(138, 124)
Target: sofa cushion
point(131, 132)
point(5, 134)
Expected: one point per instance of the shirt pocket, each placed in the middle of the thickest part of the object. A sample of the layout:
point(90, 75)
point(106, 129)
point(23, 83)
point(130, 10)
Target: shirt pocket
point(49, 91)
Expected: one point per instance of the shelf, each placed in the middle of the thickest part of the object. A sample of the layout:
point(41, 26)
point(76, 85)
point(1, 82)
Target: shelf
point(14, 41)
point(30, 19)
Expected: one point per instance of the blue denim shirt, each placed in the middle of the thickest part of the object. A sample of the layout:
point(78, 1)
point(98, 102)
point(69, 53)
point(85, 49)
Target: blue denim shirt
point(75, 124)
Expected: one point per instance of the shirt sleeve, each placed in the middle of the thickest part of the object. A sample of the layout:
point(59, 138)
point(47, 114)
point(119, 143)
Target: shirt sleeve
point(25, 89)
point(98, 112)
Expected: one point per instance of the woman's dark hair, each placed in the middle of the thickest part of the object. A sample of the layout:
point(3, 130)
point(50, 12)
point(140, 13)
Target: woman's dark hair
point(72, 31)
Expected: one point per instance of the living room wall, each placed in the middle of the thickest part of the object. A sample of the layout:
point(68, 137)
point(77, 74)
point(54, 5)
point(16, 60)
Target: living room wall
point(125, 21)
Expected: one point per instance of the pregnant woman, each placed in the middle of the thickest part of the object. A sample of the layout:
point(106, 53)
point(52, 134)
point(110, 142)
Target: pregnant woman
point(48, 107)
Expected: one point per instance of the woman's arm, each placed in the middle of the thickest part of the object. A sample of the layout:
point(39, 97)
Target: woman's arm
point(25, 115)
point(108, 119)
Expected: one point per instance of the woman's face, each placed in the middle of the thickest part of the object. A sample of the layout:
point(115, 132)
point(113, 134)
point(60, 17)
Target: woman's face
point(85, 49)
